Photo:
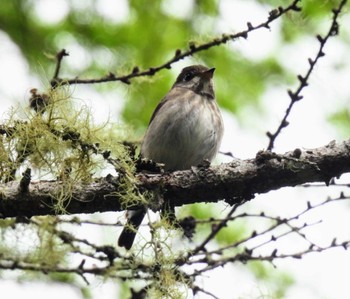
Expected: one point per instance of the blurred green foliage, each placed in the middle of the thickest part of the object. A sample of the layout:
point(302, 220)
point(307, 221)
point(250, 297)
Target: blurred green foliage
point(342, 120)
point(275, 280)
point(148, 36)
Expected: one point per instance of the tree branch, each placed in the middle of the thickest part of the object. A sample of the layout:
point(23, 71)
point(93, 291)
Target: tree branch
point(179, 55)
point(303, 80)
point(232, 182)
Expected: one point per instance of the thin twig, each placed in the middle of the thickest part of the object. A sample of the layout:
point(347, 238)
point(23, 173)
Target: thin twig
point(179, 55)
point(197, 289)
point(214, 231)
point(59, 56)
point(303, 81)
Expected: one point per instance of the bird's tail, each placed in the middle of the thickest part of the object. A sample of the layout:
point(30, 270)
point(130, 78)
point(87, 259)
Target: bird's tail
point(127, 237)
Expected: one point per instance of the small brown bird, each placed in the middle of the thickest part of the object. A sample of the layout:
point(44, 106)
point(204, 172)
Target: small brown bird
point(185, 129)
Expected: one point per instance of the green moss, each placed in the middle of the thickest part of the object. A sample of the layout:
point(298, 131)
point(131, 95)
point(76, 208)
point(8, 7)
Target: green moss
point(63, 143)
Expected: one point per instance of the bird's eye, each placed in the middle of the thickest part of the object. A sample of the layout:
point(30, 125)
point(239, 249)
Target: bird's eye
point(188, 77)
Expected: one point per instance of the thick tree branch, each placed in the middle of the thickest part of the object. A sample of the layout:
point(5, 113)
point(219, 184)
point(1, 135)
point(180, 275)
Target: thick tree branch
point(232, 182)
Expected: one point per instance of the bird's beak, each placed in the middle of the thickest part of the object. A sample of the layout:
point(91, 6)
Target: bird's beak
point(207, 74)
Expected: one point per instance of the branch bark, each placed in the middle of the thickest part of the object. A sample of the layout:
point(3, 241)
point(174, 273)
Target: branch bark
point(233, 182)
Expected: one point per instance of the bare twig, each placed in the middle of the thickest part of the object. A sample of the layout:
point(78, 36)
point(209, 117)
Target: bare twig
point(303, 80)
point(213, 233)
point(197, 289)
point(241, 252)
point(59, 56)
point(179, 55)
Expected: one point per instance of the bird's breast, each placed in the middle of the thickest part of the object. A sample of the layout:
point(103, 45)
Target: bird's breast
point(184, 132)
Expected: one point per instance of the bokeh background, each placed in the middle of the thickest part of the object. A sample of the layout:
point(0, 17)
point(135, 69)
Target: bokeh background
point(251, 79)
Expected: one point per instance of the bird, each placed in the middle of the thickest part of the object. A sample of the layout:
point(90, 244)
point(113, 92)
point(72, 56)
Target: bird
point(185, 129)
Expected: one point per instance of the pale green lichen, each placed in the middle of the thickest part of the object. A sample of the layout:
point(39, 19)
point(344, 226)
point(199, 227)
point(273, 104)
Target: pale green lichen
point(62, 142)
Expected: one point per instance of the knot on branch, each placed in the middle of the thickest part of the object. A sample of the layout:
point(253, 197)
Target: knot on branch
point(25, 181)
